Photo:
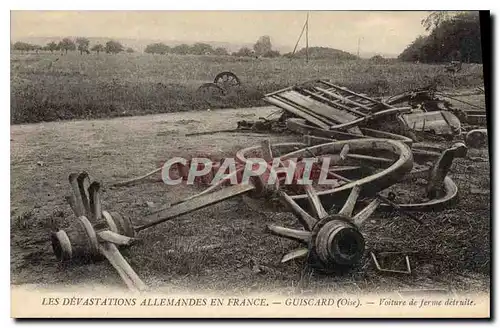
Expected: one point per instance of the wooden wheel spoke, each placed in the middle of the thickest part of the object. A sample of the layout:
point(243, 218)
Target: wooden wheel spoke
point(304, 218)
point(295, 254)
point(77, 205)
point(267, 151)
point(95, 201)
point(338, 176)
point(315, 202)
point(298, 235)
point(369, 158)
point(344, 151)
point(115, 238)
point(351, 201)
point(83, 183)
point(359, 218)
point(336, 169)
point(124, 269)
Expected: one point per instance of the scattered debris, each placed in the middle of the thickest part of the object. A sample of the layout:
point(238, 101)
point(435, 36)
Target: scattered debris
point(370, 144)
point(385, 254)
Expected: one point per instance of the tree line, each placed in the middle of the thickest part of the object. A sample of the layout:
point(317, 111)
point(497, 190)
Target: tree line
point(261, 48)
point(80, 44)
point(452, 37)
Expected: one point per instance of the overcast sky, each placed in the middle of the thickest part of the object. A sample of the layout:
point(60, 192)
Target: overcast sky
point(378, 31)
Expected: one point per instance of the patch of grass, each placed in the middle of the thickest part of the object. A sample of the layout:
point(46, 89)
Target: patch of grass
point(102, 86)
point(24, 221)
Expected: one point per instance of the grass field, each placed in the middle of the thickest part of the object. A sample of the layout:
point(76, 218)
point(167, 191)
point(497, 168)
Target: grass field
point(50, 87)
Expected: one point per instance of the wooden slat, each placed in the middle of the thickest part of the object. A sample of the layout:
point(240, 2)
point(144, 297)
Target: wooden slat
point(351, 92)
point(195, 204)
point(334, 103)
point(278, 91)
point(301, 108)
point(374, 116)
point(324, 110)
point(335, 114)
point(298, 112)
point(339, 97)
point(325, 119)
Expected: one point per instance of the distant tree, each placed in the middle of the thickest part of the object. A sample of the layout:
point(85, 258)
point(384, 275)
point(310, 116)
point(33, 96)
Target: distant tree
point(67, 44)
point(37, 48)
point(324, 53)
point(453, 38)
point(414, 51)
point(378, 59)
point(262, 45)
point(435, 19)
point(157, 48)
point(243, 52)
point(271, 54)
point(129, 50)
point(52, 46)
point(220, 51)
point(97, 48)
point(23, 46)
point(113, 47)
point(83, 44)
point(182, 49)
point(201, 49)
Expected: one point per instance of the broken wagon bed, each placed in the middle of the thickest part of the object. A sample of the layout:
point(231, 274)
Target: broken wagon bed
point(330, 106)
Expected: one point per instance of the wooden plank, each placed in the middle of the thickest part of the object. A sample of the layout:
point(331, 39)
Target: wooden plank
point(350, 91)
point(339, 97)
point(374, 116)
point(324, 119)
point(346, 93)
point(334, 114)
point(334, 103)
point(300, 113)
point(278, 91)
point(194, 204)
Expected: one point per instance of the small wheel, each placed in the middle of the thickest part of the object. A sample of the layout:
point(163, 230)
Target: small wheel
point(227, 80)
point(210, 90)
point(476, 138)
point(331, 241)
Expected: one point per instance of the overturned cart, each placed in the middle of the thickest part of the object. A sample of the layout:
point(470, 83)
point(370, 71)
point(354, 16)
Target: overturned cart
point(332, 215)
point(331, 107)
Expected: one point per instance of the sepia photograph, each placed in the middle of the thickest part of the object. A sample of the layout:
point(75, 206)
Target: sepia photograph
point(250, 164)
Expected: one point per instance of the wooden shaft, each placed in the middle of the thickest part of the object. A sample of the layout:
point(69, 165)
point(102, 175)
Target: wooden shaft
point(194, 204)
point(128, 275)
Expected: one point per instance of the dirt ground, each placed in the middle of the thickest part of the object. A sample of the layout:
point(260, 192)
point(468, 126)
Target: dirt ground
point(224, 247)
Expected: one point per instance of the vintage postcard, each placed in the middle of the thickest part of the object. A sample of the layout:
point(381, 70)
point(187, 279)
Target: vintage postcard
point(250, 164)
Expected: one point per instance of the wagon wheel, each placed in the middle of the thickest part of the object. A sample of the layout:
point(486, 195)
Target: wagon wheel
point(373, 164)
point(210, 91)
point(331, 238)
point(227, 80)
point(329, 241)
